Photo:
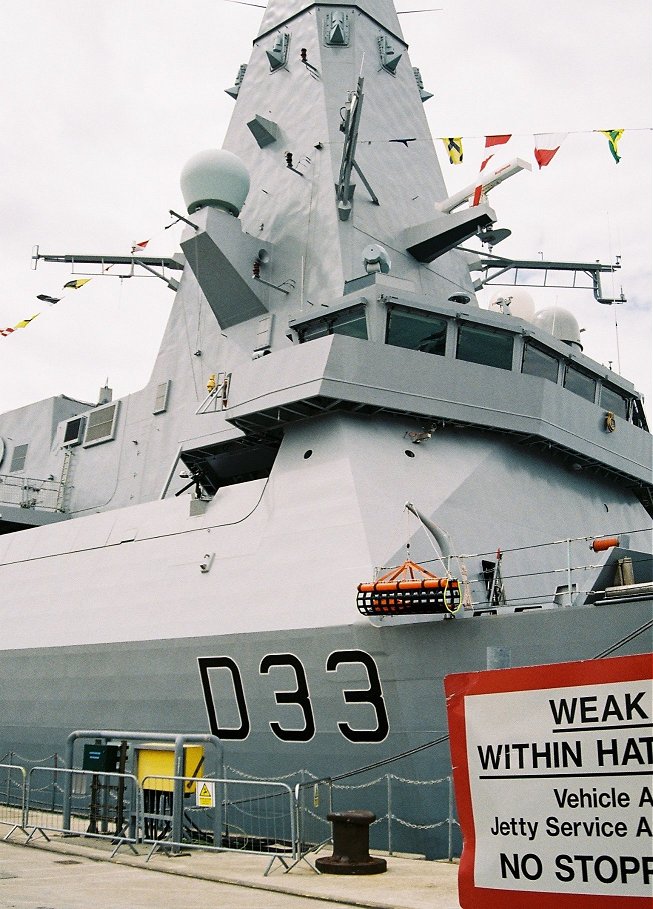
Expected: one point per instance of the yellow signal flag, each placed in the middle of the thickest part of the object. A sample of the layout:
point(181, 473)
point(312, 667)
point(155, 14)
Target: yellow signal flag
point(25, 322)
point(76, 283)
point(5, 332)
point(454, 147)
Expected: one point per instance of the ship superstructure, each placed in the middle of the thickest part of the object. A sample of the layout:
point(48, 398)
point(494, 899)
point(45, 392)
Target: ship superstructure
point(194, 550)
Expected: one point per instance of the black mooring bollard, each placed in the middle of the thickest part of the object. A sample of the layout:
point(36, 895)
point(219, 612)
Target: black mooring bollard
point(351, 845)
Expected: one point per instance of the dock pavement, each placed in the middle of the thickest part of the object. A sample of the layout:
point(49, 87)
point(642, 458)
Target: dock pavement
point(80, 874)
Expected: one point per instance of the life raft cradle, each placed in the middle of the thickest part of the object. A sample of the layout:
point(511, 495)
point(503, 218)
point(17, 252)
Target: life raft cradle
point(409, 590)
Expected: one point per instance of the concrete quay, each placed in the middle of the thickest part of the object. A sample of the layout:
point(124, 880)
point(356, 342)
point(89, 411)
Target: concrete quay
point(80, 874)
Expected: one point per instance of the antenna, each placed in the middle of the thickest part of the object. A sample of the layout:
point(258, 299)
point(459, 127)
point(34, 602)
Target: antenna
point(349, 126)
point(244, 3)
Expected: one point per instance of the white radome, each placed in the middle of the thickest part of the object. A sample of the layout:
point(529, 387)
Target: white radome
point(560, 323)
point(214, 177)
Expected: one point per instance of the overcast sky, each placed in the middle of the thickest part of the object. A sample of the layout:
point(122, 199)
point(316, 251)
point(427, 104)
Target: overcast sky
point(103, 103)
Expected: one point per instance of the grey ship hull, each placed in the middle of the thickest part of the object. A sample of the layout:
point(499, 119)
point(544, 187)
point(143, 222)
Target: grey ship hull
point(155, 684)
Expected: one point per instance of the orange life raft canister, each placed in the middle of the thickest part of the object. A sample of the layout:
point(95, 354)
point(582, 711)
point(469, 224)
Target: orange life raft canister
point(409, 590)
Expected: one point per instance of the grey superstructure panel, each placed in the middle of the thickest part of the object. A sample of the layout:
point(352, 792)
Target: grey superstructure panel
point(390, 378)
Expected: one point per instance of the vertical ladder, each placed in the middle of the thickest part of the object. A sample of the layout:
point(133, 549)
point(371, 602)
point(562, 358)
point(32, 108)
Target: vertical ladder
point(65, 470)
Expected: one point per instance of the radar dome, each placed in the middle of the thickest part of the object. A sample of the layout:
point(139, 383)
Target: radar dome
point(215, 177)
point(560, 323)
point(521, 305)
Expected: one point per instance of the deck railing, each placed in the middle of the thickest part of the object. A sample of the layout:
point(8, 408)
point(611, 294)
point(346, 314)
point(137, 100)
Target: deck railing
point(29, 492)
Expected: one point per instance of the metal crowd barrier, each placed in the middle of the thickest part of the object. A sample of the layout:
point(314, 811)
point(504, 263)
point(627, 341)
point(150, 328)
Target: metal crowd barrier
point(12, 802)
point(102, 805)
point(252, 816)
point(259, 817)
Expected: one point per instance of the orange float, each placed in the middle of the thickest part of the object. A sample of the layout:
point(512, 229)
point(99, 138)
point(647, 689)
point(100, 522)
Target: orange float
point(603, 543)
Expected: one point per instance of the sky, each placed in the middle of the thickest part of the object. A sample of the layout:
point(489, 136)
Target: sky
point(103, 103)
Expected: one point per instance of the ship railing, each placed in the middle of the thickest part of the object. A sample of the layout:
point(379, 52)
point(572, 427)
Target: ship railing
point(13, 800)
point(318, 799)
point(223, 815)
point(557, 573)
point(103, 806)
point(29, 492)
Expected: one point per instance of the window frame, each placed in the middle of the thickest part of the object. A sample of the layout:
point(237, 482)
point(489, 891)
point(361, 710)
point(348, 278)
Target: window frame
point(480, 329)
point(425, 316)
point(618, 393)
point(550, 355)
point(330, 321)
point(574, 368)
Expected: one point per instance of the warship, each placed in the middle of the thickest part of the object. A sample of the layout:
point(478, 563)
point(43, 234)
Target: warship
point(361, 483)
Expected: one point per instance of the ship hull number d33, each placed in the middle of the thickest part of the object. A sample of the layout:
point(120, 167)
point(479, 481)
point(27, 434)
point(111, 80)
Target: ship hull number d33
point(288, 670)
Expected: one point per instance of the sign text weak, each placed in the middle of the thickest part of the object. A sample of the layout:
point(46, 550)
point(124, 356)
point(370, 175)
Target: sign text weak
point(552, 771)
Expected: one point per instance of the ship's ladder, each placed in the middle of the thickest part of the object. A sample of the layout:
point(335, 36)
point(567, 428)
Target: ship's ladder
point(218, 393)
point(65, 471)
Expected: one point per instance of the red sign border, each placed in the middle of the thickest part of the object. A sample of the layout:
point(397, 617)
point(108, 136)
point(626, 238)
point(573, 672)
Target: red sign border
point(557, 675)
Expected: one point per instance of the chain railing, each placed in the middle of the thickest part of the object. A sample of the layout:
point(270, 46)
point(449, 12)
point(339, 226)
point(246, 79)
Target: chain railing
point(316, 800)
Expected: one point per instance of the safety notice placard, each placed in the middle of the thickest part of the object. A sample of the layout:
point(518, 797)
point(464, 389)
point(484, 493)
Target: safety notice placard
point(552, 772)
point(205, 794)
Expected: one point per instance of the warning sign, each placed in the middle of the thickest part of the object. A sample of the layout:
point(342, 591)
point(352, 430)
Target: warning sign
point(205, 794)
point(552, 771)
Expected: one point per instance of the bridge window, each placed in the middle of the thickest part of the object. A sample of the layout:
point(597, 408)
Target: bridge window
point(580, 383)
point(538, 362)
point(484, 346)
point(615, 401)
point(351, 322)
point(638, 415)
point(416, 330)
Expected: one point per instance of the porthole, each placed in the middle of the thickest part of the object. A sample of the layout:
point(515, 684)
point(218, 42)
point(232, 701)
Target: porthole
point(307, 454)
point(409, 453)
